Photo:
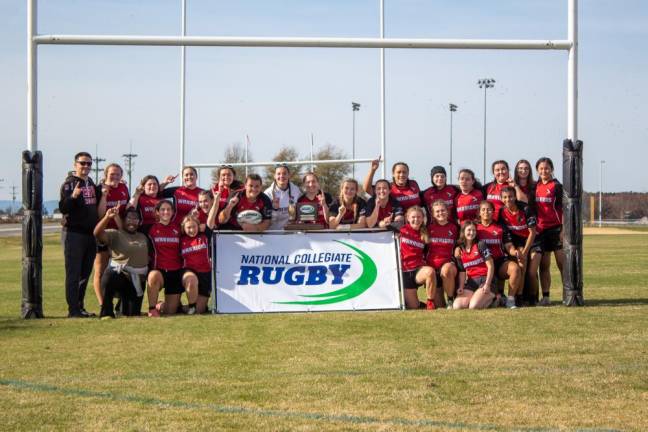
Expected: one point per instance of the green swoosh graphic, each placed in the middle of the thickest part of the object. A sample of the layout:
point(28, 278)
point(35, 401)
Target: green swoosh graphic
point(360, 285)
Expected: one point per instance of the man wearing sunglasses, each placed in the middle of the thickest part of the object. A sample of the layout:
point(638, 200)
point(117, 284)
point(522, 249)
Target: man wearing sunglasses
point(79, 205)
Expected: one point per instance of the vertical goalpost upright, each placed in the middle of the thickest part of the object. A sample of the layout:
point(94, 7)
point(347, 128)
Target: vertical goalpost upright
point(31, 306)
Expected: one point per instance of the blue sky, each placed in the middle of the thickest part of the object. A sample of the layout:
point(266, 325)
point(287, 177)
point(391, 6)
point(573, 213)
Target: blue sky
point(107, 97)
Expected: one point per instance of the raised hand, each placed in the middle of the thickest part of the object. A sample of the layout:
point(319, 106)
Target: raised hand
point(112, 212)
point(77, 190)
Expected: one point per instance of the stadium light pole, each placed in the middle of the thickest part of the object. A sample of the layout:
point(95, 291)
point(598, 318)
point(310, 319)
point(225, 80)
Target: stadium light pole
point(485, 83)
point(453, 108)
point(601, 194)
point(354, 107)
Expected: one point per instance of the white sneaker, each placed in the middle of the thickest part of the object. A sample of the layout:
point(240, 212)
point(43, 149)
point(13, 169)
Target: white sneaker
point(449, 304)
point(545, 301)
point(510, 304)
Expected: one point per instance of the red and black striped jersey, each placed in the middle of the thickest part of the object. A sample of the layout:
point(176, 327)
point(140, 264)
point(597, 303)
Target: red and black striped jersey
point(495, 236)
point(473, 260)
point(467, 205)
point(411, 248)
point(408, 195)
point(447, 194)
point(166, 246)
point(195, 253)
point(519, 222)
point(392, 208)
point(351, 216)
point(262, 204)
point(316, 203)
point(441, 244)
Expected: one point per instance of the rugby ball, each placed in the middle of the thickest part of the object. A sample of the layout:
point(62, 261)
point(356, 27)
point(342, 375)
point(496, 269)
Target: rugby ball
point(251, 217)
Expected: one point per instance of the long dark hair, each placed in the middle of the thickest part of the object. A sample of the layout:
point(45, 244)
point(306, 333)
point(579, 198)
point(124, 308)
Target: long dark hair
point(516, 177)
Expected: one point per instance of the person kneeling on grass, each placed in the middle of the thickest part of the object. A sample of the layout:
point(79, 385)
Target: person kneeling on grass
point(166, 268)
point(476, 289)
point(197, 264)
point(413, 238)
point(126, 271)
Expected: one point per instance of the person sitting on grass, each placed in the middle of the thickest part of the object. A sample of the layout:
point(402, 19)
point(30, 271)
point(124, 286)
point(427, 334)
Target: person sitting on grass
point(476, 289)
point(125, 275)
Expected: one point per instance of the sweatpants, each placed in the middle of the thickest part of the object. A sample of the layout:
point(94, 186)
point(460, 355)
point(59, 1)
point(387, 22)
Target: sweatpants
point(116, 283)
point(79, 251)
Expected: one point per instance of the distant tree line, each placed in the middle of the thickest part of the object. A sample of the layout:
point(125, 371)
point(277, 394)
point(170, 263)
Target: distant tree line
point(617, 205)
point(330, 175)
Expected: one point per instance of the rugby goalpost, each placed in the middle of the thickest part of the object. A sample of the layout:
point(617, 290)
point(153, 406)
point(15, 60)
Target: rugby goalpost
point(32, 176)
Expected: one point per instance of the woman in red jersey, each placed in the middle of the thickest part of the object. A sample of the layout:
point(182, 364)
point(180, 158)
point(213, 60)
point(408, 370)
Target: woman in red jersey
point(523, 178)
point(196, 260)
point(402, 188)
point(382, 209)
point(548, 202)
point(252, 201)
point(227, 185)
point(166, 266)
point(185, 197)
point(114, 193)
point(467, 200)
point(349, 211)
point(314, 196)
point(440, 190)
point(502, 178)
point(498, 240)
point(442, 236)
point(413, 238)
point(205, 201)
point(520, 220)
point(146, 197)
point(476, 289)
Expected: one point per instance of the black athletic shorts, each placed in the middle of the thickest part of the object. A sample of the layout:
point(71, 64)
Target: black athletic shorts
point(204, 284)
point(549, 239)
point(473, 284)
point(499, 261)
point(172, 281)
point(409, 279)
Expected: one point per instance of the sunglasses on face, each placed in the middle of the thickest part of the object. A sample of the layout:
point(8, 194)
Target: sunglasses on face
point(84, 163)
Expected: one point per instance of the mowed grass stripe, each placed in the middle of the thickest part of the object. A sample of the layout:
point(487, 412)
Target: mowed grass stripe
point(22, 385)
point(530, 369)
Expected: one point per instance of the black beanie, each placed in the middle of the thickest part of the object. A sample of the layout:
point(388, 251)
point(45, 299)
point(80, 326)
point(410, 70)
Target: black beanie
point(438, 170)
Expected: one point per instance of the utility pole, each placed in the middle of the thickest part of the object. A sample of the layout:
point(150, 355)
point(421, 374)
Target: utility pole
point(128, 157)
point(97, 160)
point(354, 107)
point(485, 83)
point(13, 198)
point(453, 108)
point(601, 194)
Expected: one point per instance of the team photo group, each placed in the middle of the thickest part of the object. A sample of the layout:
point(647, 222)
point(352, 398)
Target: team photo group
point(461, 242)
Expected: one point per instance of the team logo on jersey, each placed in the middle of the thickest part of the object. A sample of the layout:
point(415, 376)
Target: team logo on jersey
point(449, 233)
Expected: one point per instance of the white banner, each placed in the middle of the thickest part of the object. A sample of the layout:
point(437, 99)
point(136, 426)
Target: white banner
point(292, 272)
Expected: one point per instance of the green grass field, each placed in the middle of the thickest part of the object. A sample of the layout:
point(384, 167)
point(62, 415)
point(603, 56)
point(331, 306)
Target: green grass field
point(534, 369)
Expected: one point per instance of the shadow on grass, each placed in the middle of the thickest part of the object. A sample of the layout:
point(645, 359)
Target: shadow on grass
point(616, 302)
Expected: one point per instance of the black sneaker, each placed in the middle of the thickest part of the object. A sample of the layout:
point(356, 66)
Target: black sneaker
point(87, 314)
point(77, 314)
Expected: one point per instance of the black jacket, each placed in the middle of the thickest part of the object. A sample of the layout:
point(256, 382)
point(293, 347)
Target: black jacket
point(79, 214)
